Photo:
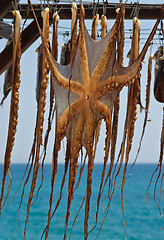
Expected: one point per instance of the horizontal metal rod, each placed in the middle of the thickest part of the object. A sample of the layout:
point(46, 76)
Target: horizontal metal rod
point(145, 11)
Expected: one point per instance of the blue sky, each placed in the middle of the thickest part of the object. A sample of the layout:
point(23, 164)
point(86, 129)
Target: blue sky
point(28, 108)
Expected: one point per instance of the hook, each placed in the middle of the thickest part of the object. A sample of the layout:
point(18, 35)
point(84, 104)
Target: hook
point(136, 9)
point(95, 10)
point(41, 5)
point(15, 4)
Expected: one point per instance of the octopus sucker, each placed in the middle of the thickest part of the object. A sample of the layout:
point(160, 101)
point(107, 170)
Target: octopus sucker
point(14, 102)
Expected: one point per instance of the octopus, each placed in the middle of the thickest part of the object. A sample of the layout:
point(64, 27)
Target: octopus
point(86, 92)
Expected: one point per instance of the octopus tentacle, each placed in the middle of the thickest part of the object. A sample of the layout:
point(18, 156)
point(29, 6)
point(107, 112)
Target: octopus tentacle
point(95, 23)
point(55, 36)
point(61, 127)
point(83, 53)
point(104, 25)
point(113, 140)
point(147, 106)
point(14, 103)
point(51, 111)
point(77, 214)
point(75, 148)
point(80, 174)
point(107, 147)
point(132, 97)
point(67, 158)
point(89, 148)
point(120, 37)
point(40, 114)
point(73, 30)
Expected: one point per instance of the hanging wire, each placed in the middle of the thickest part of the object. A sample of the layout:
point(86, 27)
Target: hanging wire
point(15, 4)
point(104, 7)
point(135, 11)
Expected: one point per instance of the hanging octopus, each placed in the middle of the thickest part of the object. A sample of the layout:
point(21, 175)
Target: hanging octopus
point(13, 120)
point(86, 93)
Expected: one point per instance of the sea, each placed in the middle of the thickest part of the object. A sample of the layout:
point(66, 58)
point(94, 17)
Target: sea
point(143, 220)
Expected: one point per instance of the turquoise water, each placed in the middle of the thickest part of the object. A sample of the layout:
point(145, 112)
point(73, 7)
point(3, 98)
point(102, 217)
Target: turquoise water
point(140, 222)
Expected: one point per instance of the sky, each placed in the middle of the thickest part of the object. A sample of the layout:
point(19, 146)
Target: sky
point(28, 108)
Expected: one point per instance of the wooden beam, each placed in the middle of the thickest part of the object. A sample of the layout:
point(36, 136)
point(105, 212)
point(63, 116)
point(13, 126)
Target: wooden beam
point(146, 11)
point(5, 7)
point(5, 30)
point(28, 36)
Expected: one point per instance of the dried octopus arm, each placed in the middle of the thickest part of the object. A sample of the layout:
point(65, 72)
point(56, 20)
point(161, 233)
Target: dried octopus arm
point(89, 139)
point(51, 110)
point(75, 148)
point(120, 37)
point(113, 140)
point(55, 36)
point(74, 30)
point(107, 116)
point(132, 104)
point(83, 53)
point(40, 113)
point(104, 25)
point(13, 120)
point(62, 124)
point(135, 40)
point(95, 23)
